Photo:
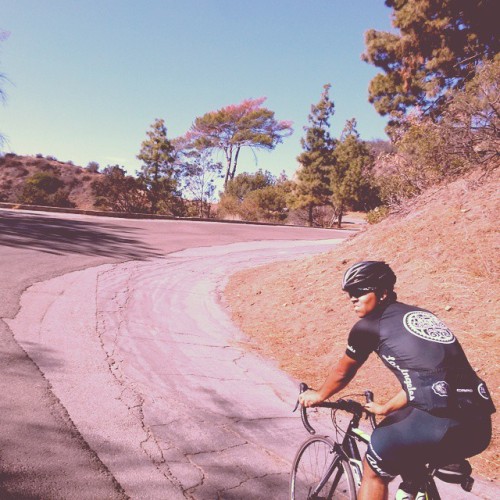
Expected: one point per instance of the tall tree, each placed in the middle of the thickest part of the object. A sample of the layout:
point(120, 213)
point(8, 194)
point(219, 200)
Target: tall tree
point(438, 47)
point(233, 127)
point(352, 158)
point(312, 178)
point(159, 173)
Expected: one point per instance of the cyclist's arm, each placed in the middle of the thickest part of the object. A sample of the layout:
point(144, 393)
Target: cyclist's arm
point(338, 378)
point(397, 402)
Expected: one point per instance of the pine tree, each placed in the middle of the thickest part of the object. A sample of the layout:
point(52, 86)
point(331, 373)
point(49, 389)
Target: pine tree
point(312, 179)
point(159, 173)
point(352, 158)
point(439, 47)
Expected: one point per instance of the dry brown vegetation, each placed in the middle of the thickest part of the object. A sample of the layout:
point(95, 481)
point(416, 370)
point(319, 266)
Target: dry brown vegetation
point(444, 250)
point(15, 170)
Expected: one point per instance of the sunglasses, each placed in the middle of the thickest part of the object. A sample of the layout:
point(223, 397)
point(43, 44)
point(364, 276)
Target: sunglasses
point(359, 292)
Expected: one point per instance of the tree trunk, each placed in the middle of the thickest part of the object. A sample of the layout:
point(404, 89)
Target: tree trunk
point(233, 172)
point(310, 208)
point(339, 218)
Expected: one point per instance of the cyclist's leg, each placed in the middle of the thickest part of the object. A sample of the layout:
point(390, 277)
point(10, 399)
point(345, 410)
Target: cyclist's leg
point(373, 486)
point(404, 443)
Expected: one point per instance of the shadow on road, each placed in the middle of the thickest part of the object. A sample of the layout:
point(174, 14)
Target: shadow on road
point(58, 236)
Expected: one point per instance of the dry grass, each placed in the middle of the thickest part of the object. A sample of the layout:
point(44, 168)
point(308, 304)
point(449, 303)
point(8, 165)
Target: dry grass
point(444, 251)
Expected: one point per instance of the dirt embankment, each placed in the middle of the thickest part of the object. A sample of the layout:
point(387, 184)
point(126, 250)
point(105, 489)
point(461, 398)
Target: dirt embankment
point(444, 250)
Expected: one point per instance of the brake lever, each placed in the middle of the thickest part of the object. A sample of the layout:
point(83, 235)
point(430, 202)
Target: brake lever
point(370, 416)
point(303, 412)
point(302, 388)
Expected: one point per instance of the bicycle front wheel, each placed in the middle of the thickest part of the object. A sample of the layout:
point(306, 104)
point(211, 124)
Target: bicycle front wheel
point(318, 472)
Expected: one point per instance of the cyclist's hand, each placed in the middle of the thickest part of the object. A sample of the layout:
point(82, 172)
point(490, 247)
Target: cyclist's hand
point(310, 398)
point(375, 408)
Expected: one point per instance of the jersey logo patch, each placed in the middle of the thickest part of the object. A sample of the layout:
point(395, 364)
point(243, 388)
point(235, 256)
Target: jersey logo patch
point(440, 388)
point(483, 392)
point(428, 327)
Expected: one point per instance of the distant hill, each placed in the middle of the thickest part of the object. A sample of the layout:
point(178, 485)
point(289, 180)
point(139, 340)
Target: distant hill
point(15, 170)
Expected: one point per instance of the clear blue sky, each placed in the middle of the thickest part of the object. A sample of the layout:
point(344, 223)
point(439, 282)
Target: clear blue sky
point(88, 77)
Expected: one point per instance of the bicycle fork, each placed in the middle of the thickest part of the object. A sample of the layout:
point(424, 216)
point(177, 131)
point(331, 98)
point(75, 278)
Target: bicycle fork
point(339, 455)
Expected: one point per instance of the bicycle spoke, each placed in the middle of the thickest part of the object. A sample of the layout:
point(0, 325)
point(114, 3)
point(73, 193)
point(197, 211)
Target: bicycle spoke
point(318, 473)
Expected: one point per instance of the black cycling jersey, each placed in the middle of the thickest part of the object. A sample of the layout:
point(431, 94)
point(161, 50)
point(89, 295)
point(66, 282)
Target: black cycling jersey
point(424, 355)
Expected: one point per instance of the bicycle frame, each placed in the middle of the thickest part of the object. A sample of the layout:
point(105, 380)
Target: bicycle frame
point(348, 450)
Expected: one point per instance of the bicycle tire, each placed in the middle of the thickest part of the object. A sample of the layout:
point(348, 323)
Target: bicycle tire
point(311, 466)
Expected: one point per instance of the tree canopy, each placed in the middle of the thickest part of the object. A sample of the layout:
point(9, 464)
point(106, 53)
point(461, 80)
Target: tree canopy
point(233, 127)
point(438, 47)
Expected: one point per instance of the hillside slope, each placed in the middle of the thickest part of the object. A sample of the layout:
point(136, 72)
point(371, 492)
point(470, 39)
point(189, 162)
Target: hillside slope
point(15, 169)
point(444, 251)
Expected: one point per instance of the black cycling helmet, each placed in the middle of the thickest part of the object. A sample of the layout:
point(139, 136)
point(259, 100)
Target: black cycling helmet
point(369, 275)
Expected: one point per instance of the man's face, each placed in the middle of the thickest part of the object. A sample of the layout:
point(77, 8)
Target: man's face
point(364, 304)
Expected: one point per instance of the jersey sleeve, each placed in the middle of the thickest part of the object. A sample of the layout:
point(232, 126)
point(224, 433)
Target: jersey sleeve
point(361, 342)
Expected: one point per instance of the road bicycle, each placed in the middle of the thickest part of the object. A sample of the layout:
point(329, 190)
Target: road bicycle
point(326, 468)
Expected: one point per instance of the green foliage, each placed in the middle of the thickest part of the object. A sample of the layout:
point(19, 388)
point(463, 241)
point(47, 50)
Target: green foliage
point(466, 138)
point(244, 183)
point(437, 48)
point(312, 187)
point(119, 192)
point(159, 174)
point(233, 127)
point(351, 161)
point(45, 188)
point(267, 204)
point(256, 197)
point(377, 214)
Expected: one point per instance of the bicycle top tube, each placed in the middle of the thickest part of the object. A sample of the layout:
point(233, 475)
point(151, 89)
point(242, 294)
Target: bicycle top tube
point(362, 435)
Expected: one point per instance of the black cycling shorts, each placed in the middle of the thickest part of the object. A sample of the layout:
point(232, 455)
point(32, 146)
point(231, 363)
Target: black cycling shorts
point(410, 438)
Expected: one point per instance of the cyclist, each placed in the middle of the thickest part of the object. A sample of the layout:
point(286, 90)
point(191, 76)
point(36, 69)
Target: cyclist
point(443, 411)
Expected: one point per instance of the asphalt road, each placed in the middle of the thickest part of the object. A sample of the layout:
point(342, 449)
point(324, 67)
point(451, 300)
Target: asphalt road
point(122, 374)
point(44, 451)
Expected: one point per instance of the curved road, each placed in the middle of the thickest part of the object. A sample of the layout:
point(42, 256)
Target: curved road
point(123, 376)
point(89, 418)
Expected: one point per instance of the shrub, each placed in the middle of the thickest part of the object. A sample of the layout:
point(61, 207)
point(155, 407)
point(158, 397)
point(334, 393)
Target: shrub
point(92, 167)
point(377, 214)
point(44, 188)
